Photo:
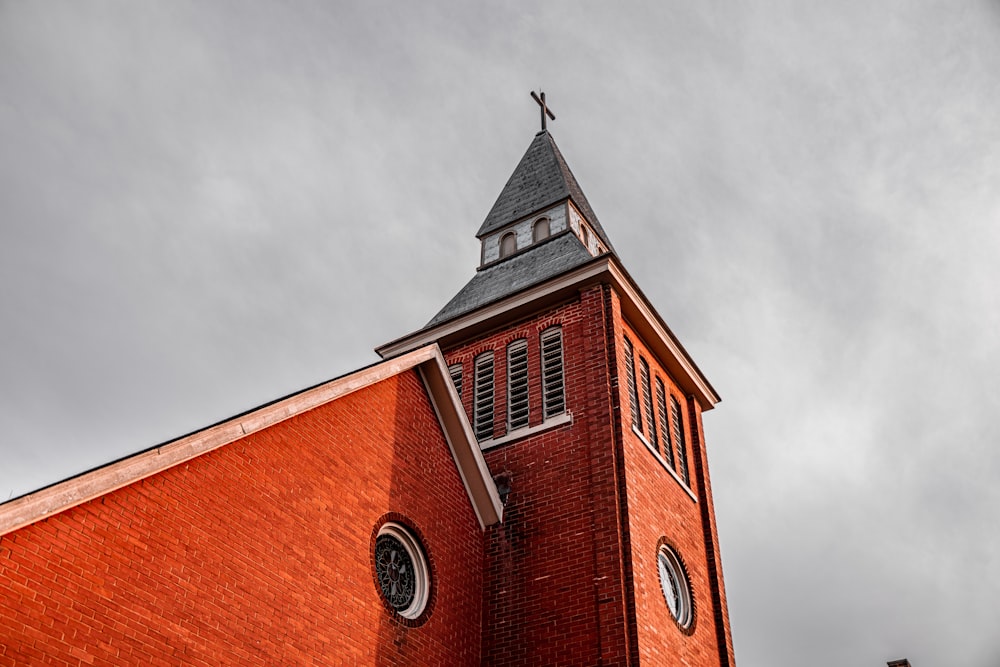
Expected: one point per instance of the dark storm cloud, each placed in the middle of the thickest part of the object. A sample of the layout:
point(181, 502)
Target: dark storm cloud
point(208, 206)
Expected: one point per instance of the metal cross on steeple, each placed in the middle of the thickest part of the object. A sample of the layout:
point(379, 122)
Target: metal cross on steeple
point(545, 110)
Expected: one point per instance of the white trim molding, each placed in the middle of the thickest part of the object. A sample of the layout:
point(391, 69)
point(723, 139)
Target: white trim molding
point(427, 361)
point(521, 433)
point(636, 309)
point(666, 466)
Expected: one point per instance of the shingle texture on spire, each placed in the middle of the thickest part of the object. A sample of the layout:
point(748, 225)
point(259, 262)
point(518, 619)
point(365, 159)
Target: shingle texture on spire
point(541, 179)
point(535, 265)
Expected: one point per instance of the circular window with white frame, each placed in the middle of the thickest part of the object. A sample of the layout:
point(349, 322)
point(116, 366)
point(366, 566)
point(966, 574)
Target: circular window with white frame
point(675, 586)
point(402, 573)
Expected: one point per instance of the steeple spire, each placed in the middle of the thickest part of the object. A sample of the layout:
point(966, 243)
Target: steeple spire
point(540, 226)
point(541, 179)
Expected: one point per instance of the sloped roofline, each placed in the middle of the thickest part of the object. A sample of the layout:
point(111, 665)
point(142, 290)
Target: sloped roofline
point(426, 360)
point(605, 268)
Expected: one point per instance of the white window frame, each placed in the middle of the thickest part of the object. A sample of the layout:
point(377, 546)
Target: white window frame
point(421, 569)
point(455, 370)
point(672, 571)
point(483, 396)
point(509, 235)
point(647, 402)
point(633, 392)
point(518, 403)
point(666, 438)
point(554, 373)
point(677, 417)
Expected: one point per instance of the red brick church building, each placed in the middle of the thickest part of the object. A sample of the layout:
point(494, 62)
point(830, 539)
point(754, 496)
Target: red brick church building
point(523, 481)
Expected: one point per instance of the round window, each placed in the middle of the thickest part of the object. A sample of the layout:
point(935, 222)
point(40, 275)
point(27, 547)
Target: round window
point(674, 583)
point(401, 570)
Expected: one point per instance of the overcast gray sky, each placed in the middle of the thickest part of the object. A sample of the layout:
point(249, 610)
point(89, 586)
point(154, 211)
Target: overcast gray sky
point(205, 206)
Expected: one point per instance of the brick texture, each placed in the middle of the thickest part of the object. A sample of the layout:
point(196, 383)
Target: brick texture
point(258, 552)
point(554, 591)
point(661, 509)
point(571, 574)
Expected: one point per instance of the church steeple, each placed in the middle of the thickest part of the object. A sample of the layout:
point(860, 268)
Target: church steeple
point(588, 412)
point(542, 180)
point(540, 226)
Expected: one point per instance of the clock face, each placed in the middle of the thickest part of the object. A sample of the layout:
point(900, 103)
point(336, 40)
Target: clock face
point(668, 582)
point(674, 584)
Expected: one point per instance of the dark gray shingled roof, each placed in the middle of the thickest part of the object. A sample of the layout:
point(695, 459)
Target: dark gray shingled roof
point(536, 264)
point(541, 179)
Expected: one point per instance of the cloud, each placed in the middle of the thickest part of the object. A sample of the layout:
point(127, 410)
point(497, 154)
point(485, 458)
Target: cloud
point(205, 207)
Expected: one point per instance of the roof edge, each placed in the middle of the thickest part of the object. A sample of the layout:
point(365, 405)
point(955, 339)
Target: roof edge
point(409, 341)
point(427, 360)
point(462, 442)
point(606, 267)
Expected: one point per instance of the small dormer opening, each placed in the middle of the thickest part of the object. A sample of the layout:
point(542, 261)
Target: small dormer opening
point(541, 230)
point(585, 236)
point(508, 244)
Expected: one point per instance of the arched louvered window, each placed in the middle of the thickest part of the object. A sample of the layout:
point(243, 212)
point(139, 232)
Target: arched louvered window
point(647, 403)
point(508, 244)
point(455, 370)
point(517, 384)
point(553, 384)
point(541, 230)
point(633, 398)
point(661, 409)
point(482, 397)
point(678, 418)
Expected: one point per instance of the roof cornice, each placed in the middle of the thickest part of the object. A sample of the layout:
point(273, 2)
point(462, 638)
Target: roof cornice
point(426, 360)
point(603, 269)
point(648, 323)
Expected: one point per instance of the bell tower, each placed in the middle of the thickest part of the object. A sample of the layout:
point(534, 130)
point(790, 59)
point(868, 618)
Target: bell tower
point(589, 413)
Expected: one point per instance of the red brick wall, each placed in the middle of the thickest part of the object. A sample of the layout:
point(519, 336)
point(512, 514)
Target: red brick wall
point(554, 592)
point(571, 574)
point(660, 507)
point(256, 553)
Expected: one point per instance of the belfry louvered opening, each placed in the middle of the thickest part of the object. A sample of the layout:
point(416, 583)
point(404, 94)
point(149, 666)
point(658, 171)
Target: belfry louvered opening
point(647, 403)
point(456, 376)
point(661, 408)
point(633, 399)
point(483, 393)
point(517, 384)
point(678, 419)
point(553, 385)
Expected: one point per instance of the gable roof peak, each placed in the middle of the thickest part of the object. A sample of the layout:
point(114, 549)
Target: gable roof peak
point(541, 178)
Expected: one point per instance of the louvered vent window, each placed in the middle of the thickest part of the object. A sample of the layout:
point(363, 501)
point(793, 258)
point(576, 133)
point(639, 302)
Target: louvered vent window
point(661, 409)
point(482, 409)
point(456, 376)
point(517, 384)
point(553, 386)
point(678, 419)
point(633, 399)
point(647, 403)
